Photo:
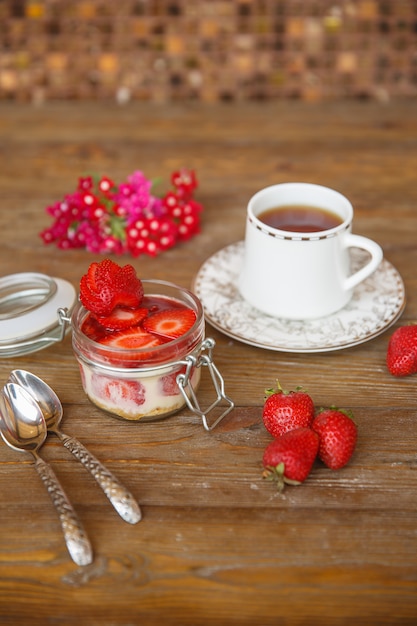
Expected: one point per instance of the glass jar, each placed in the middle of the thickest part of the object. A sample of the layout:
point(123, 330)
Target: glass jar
point(149, 383)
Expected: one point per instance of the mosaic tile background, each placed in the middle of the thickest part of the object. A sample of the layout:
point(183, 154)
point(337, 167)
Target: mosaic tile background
point(208, 50)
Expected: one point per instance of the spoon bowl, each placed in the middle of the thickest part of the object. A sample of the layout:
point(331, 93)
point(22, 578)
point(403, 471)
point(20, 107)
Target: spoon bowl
point(44, 396)
point(51, 407)
point(23, 428)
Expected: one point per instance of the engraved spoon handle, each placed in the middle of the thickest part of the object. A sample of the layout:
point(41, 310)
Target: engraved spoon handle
point(76, 538)
point(121, 499)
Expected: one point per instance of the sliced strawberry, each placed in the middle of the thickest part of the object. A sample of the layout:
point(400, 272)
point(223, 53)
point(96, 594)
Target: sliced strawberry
point(134, 338)
point(170, 323)
point(121, 318)
point(168, 384)
point(107, 285)
point(101, 273)
point(91, 328)
point(134, 342)
point(95, 291)
point(119, 391)
point(101, 304)
point(128, 287)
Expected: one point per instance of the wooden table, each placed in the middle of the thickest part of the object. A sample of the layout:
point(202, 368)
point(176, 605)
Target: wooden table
point(217, 544)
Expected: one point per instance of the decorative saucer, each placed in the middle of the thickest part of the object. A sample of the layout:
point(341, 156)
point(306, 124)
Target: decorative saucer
point(375, 305)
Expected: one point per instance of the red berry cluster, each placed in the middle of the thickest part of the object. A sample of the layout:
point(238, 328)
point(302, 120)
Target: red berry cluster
point(104, 218)
point(300, 435)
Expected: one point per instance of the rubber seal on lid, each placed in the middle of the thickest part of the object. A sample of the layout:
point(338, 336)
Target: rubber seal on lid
point(33, 310)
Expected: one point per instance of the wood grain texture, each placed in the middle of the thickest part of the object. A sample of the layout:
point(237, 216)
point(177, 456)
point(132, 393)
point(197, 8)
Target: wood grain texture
point(217, 545)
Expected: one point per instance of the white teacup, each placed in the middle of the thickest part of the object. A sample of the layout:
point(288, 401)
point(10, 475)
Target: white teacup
point(293, 274)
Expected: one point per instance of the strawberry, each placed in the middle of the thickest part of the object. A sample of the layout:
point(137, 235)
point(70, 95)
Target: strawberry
point(134, 338)
point(119, 391)
point(402, 351)
point(284, 411)
point(107, 285)
point(132, 345)
point(288, 459)
point(170, 323)
point(122, 317)
point(92, 329)
point(168, 385)
point(338, 434)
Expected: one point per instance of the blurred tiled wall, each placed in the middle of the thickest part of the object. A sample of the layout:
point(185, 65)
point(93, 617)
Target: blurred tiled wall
point(208, 50)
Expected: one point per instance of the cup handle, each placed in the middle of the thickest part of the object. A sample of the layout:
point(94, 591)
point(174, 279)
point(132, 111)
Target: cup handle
point(357, 241)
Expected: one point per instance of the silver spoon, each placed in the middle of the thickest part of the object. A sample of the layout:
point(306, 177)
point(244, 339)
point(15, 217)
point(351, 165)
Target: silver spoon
point(51, 407)
point(23, 428)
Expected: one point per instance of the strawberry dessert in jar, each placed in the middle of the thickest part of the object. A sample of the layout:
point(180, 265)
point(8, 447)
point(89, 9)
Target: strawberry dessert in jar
point(140, 344)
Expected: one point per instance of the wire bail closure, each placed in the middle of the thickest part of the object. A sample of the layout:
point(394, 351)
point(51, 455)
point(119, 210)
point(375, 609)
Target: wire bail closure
point(184, 383)
point(64, 321)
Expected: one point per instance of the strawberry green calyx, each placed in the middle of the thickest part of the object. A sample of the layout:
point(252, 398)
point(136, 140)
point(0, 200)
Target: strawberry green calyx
point(278, 389)
point(332, 407)
point(271, 390)
point(277, 476)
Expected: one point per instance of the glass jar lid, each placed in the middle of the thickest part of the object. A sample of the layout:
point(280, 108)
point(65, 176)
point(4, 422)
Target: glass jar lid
point(33, 311)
